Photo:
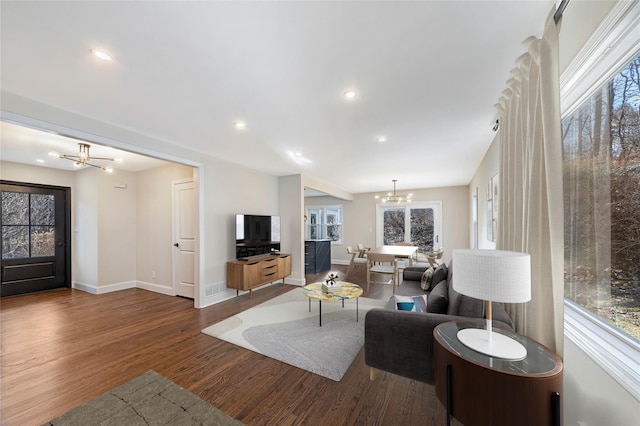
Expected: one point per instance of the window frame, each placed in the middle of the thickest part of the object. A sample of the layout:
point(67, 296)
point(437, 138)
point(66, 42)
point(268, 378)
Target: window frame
point(610, 48)
point(438, 239)
point(323, 225)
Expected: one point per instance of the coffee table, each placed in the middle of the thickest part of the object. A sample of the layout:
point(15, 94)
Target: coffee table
point(346, 291)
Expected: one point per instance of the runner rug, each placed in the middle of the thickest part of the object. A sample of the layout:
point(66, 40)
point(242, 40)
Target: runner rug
point(150, 399)
point(284, 329)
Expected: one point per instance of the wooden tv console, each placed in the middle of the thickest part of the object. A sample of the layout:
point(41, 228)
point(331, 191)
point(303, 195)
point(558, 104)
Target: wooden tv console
point(248, 274)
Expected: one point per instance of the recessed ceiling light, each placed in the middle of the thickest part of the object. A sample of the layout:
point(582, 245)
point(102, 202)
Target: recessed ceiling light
point(349, 94)
point(240, 125)
point(381, 139)
point(101, 54)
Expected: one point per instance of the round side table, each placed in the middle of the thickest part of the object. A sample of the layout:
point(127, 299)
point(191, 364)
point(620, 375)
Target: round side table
point(479, 389)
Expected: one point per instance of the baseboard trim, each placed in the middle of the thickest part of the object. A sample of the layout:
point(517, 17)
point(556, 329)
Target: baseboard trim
point(109, 288)
point(156, 288)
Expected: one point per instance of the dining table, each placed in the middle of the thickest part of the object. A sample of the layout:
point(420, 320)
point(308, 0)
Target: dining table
point(398, 251)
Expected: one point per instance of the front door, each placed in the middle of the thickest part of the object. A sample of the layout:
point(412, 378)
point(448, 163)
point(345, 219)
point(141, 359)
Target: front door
point(36, 249)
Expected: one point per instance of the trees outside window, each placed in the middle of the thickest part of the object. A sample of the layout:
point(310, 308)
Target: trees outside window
point(601, 149)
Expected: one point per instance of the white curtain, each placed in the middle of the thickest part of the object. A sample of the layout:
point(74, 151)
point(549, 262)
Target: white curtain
point(531, 209)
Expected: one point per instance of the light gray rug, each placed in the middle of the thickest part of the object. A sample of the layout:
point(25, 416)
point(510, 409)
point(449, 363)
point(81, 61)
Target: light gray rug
point(284, 329)
point(150, 399)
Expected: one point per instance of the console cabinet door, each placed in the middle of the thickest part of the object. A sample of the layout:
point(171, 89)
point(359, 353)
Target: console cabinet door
point(284, 266)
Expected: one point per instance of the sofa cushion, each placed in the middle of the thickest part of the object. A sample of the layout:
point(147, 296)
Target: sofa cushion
point(437, 300)
point(427, 279)
point(440, 274)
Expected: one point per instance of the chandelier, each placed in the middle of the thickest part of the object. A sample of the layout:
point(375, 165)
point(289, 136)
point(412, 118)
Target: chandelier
point(83, 158)
point(393, 197)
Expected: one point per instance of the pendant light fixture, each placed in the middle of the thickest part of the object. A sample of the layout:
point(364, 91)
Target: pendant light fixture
point(84, 157)
point(394, 197)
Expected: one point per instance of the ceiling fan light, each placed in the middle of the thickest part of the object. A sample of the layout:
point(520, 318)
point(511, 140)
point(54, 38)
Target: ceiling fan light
point(54, 154)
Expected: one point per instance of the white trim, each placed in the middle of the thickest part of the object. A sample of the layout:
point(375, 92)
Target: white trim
point(156, 288)
point(614, 43)
point(616, 352)
point(609, 48)
point(109, 288)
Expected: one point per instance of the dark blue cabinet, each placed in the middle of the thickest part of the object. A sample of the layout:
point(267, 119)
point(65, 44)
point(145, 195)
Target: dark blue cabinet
point(317, 256)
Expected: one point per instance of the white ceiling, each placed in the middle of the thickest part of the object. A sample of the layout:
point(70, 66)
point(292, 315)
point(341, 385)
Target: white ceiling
point(427, 74)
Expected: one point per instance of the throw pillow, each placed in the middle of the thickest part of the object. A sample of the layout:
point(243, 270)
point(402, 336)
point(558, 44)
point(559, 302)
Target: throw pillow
point(411, 303)
point(438, 300)
point(427, 279)
point(440, 274)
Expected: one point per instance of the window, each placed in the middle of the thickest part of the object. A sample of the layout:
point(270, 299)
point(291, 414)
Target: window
point(325, 223)
point(601, 160)
point(601, 124)
point(28, 225)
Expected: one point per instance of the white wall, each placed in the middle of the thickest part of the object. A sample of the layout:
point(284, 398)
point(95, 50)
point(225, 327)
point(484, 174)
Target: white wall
point(229, 189)
point(292, 217)
point(116, 229)
point(591, 396)
point(488, 169)
point(359, 218)
point(85, 232)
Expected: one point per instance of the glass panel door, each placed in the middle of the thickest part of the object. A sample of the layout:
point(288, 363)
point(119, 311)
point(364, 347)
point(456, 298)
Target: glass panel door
point(394, 225)
point(417, 223)
point(421, 221)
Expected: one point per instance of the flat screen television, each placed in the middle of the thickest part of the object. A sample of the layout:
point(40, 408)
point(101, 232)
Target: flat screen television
point(257, 234)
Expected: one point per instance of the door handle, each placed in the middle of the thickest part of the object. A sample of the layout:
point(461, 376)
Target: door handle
point(176, 245)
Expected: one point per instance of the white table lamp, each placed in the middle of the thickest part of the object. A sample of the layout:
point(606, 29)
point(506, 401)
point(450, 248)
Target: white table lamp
point(493, 276)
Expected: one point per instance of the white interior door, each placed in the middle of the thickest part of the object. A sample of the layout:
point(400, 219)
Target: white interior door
point(184, 237)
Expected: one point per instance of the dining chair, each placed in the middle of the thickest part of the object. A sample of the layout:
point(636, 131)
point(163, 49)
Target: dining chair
point(403, 262)
point(381, 264)
point(435, 257)
point(363, 249)
point(356, 260)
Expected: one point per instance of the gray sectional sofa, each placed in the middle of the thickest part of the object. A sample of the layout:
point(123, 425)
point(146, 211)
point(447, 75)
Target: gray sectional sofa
point(401, 342)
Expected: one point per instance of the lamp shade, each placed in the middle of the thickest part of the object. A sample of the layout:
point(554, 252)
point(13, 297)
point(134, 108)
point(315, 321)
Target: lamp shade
point(495, 275)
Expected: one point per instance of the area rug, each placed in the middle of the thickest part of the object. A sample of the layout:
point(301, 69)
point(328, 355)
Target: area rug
point(284, 329)
point(150, 399)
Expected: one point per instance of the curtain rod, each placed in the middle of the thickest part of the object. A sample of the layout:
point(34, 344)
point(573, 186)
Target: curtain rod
point(560, 10)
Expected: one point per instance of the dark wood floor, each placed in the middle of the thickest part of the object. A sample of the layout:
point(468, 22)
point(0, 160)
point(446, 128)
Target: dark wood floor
point(62, 348)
